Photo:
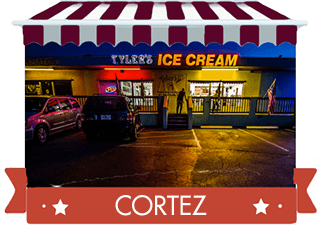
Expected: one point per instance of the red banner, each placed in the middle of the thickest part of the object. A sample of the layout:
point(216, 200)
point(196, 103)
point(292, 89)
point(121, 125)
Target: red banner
point(161, 205)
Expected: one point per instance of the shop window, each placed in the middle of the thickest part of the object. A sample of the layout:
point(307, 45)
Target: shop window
point(36, 87)
point(133, 88)
point(148, 91)
point(126, 88)
point(33, 88)
point(232, 90)
point(206, 89)
point(48, 87)
point(63, 87)
point(148, 88)
point(199, 89)
point(137, 89)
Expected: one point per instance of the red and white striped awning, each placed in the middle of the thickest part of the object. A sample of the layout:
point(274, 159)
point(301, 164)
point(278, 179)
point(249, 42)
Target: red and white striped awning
point(165, 21)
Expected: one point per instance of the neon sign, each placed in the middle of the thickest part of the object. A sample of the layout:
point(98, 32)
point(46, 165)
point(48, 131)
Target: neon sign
point(177, 59)
point(197, 60)
point(132, 59)
point(110, 89)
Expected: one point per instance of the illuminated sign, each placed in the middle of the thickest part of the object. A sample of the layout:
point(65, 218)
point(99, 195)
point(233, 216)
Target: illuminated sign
point(132, 59)
point(197, 60)
point(110, 89)
point(177, 59)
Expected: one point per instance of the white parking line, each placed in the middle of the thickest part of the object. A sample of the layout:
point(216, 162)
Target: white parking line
point(271, 143)
point(292, 131)
point(162, 136)
point(196, 139)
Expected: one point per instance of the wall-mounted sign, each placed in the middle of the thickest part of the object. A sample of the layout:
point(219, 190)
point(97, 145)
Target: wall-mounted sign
point(132, 59)
point(178, 60)
point(164, 60)
point(197, 60)
point(267, 55)
point(110, 89)
point(41, 61)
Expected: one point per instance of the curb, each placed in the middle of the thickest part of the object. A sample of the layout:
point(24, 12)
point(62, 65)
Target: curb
point(263, 127)
point(245, 127)
point(216, 127)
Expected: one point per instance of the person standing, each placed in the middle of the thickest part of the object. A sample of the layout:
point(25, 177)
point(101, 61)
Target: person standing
point(216, 101)
point(180, 98)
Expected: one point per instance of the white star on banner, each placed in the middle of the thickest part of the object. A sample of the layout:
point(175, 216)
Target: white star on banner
point(60, 208)
point(261, 207)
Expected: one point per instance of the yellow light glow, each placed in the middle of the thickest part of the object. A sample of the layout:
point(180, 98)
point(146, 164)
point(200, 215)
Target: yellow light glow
point(121, 68)
point(235, 69)
point(39, 69)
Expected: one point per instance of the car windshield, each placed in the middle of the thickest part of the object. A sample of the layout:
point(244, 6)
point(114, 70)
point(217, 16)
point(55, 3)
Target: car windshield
point(105, 104)
point(35, 104)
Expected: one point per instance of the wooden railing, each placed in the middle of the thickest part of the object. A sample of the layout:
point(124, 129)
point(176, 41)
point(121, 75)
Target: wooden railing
point(230, 105)
point(242, 105)
point(282, 106)
point(146, 104)
point(223, 105)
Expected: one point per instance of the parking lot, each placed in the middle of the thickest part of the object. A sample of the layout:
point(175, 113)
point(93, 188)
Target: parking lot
point(165, 158)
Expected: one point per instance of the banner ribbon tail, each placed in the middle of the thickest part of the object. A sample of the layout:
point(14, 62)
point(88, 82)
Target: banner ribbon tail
point(18, 178)
point(303, 177)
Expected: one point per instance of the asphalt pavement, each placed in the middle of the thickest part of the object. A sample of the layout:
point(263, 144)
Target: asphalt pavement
point(165, 158)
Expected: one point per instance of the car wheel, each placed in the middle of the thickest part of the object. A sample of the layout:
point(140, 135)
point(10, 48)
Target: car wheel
point(41, 134)
point(79, 124)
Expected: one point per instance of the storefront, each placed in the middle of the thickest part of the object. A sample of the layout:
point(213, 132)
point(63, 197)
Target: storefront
point(210, 49)
point(244, 77)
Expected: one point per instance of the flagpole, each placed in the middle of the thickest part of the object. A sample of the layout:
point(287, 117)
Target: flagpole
point(219, 92)
point(269, 88)
point(118, 85)
point(142, 89)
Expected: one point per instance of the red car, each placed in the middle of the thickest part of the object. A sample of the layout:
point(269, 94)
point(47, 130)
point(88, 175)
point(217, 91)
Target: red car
point(48, 115)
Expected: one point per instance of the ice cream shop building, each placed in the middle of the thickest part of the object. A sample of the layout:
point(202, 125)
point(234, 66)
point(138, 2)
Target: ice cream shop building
point(231, 58)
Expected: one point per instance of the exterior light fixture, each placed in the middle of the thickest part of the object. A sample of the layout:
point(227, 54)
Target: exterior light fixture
point(112, 68)
point(39, 69)
point(231, 69)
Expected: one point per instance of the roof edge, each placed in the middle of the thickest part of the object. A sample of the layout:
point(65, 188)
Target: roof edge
point(184, 22)
point(157, 0)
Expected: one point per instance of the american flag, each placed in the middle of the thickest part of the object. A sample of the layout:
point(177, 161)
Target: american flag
point(272, 97)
